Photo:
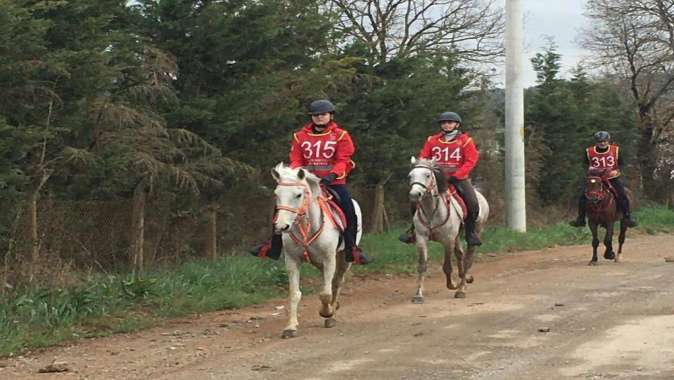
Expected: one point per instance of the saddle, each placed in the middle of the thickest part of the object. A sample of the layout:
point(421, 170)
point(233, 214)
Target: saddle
point(336, 213)
point(452, 193)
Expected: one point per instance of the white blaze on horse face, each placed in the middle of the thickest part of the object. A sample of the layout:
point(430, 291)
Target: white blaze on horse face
point(287, 197)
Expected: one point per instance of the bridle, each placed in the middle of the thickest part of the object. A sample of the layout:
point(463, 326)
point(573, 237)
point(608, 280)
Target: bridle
point(302, 218)
point(432, 189)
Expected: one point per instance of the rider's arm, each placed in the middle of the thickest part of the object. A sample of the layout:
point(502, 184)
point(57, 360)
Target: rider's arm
point(470, 158)
point(345, 149)
point(425, 152)
point(296, 157)
point(621, 160)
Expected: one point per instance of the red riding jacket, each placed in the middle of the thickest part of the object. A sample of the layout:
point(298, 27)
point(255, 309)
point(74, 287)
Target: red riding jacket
point(323, 153)
point(457, 157)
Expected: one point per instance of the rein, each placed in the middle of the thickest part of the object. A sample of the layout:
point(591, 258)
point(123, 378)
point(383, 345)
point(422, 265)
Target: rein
point(302, 219)
point(601, 199)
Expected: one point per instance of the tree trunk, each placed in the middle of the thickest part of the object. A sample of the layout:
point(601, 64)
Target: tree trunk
point(212, 235)
point(34, 228)
point(647, 156)
point(138, 227)
point(379, 218)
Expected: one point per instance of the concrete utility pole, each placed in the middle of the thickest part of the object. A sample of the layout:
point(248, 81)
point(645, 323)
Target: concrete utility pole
point(516, 213)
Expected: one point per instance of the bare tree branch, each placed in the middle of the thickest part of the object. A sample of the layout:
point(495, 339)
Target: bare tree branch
point(472, 29)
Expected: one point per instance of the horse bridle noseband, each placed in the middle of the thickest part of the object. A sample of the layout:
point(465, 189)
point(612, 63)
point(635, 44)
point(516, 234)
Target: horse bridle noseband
point(435, 195)
point(302, 218)
point(425, 186)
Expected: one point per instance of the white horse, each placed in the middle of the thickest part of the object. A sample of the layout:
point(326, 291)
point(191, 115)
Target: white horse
point(309, 234)
point(436, 221)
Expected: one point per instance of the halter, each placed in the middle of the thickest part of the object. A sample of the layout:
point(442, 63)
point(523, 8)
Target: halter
point(302, 218)
point(431, 188)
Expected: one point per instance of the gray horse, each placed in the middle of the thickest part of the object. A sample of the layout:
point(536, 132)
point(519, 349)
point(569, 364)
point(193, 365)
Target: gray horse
point(440, 219)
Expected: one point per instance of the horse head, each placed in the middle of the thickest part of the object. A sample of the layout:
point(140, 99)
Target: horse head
point(595, 184)
point(295, 190)
point(425, 179)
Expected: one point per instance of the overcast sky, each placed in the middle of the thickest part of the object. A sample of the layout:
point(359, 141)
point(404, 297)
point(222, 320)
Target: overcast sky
point(560, 19)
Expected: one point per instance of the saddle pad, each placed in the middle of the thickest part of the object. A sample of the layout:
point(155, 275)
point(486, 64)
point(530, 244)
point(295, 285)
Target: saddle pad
point(337, 214)
point(452, 193)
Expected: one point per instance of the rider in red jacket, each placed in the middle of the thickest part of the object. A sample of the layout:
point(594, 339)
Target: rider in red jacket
point(456, 154)
point(323, 148)
point(604, 155)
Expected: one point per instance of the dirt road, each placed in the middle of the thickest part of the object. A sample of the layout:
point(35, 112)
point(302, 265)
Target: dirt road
point(532, 315)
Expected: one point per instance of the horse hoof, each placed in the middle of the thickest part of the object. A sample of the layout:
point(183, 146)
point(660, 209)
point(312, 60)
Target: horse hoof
point(459, 294)
point(592, 263)
point(609, 255)
point(617, 258)
point(418, 300)
point(451, 286)
point(326, 315)
point(288, 334)
point(470, 279)
point(330, 323)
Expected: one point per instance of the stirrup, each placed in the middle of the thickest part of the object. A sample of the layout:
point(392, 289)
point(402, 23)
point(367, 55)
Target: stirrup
point(629, 222)
point(357, 257)
point(408, 237)
point(263, 251)
point(577, 223)
point(472, 239)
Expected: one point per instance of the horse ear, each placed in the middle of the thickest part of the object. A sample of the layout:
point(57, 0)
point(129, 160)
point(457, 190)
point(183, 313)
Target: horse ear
point(301, 174)
point(276, 175)
point(413, 160)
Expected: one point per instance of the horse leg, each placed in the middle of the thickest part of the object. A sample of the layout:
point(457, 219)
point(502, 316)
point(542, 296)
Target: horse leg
point(595, 243)
point(621, 240)
point(328, 270)
point(447, 264)
point(461, 266)
point(422, 261)
point(470, 254)
point(294, 296)
point(337, 283)
point(608, 242)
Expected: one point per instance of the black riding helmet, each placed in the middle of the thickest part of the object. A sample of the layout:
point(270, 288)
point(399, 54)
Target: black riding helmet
point(321, 106)
point(602, 136)
point(449, 116)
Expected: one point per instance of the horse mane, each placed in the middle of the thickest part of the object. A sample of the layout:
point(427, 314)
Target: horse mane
point(440, 177)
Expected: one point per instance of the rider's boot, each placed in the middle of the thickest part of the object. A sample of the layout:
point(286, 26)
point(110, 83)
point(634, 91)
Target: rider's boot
point(271, 249)
point(408, 237)
point(580, 220)
point(472, 239)
point(624, 204)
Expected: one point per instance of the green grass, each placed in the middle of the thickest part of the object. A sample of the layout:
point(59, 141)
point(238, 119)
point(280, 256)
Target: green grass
point(393, 256)
point(655, 219)
point(34, 318)
point(103, 305)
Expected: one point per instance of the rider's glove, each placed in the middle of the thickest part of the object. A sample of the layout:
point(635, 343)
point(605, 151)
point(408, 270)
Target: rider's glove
point(327, 180)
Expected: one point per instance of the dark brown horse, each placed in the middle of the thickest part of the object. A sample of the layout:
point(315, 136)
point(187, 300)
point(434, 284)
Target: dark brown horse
point(603, 210)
